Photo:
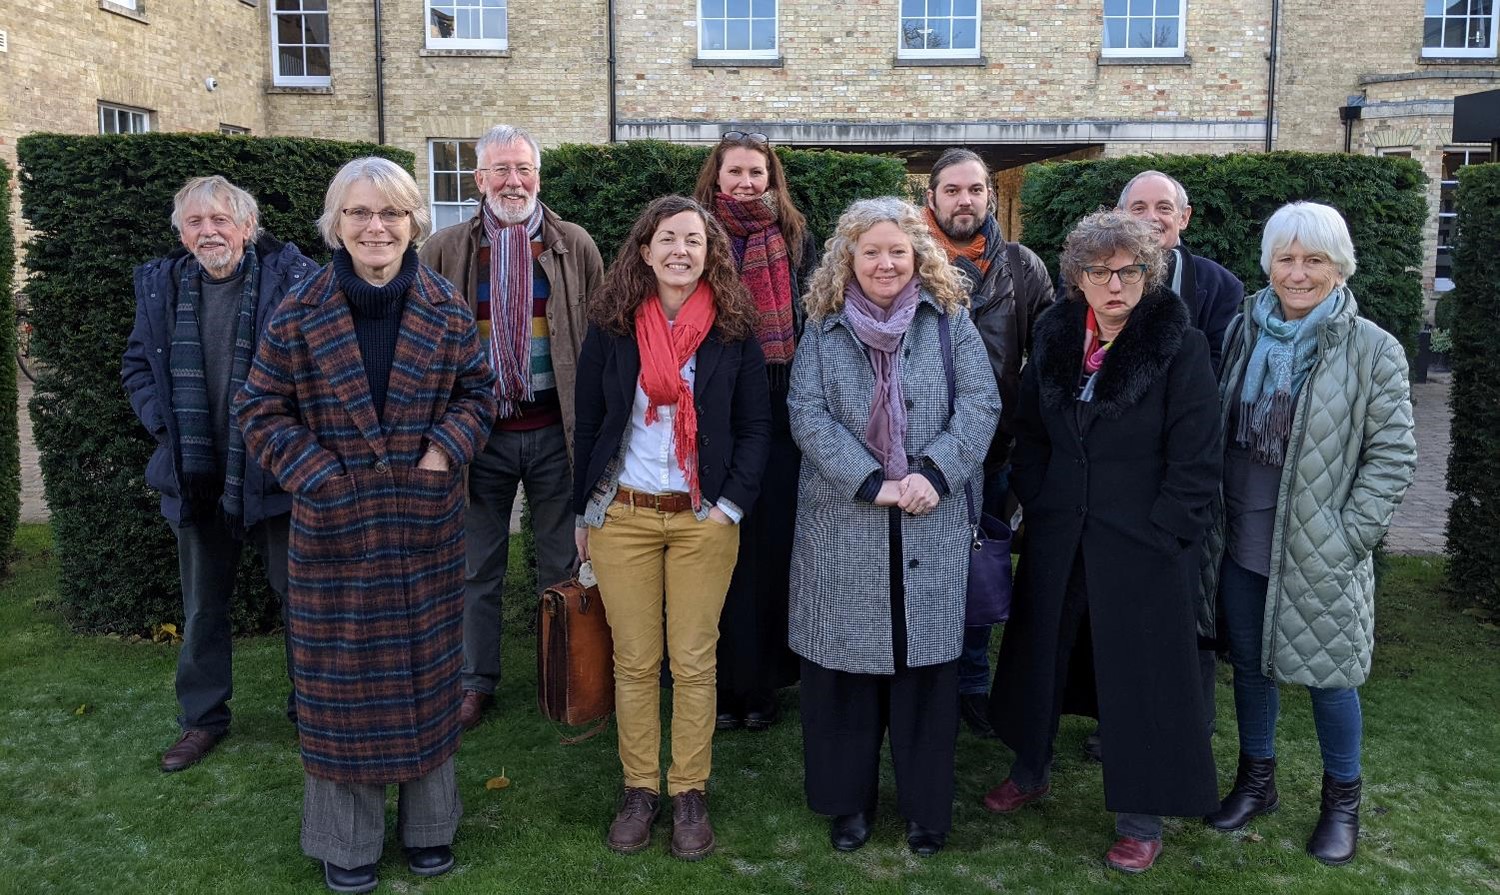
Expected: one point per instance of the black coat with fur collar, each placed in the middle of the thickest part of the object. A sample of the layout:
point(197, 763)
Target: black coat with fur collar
point(1124, 482)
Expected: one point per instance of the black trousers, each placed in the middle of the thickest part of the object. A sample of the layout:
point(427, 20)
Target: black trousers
point(845, 718)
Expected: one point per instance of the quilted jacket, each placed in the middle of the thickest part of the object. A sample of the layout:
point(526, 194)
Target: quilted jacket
point(1351, 457)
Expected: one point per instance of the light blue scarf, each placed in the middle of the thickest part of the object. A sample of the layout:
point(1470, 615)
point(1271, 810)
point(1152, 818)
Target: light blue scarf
point(1285, 351)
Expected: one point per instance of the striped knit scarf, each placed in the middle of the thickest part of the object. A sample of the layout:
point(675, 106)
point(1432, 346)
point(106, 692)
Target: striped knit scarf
point(1285, 351)
point(511, 305)
point(190, 396)
point(760, 251)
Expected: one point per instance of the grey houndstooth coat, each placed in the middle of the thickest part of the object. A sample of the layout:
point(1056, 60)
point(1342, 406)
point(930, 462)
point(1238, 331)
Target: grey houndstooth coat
point(840, 612)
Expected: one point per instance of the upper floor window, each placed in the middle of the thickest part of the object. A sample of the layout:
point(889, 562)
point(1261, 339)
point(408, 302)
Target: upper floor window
point(299, 43)
point(1144, 27)
point(737, 29)
point(939, 28)
point(450, 178)
point(115, 119)
point(1459, 28)
point(467, 24)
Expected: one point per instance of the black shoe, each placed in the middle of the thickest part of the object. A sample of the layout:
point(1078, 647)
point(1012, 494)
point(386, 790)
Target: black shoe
point(923, 841)
point(1093, 747)
point(1333, 839)
point(730, 713)
point(1253, 794)
point(727, 721)
point(762, 713)
point(849, 832)
point(974, 708)
point(432, 860)
point(357, 879)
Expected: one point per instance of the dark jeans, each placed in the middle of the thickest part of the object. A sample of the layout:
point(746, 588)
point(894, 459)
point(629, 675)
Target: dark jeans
point(208, 557)
point(974, 661)
point(538, 461)
point(1257, 702)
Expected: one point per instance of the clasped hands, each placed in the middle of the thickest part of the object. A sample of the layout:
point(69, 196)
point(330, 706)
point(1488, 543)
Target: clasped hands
point(914, 494)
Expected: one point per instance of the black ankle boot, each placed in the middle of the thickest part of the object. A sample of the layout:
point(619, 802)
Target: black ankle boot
point(849, 832)
point(1254, 794)
point(1334, 837)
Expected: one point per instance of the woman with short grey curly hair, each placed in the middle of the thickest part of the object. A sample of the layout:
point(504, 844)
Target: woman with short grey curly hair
point(1102, 234)
point(893, 404)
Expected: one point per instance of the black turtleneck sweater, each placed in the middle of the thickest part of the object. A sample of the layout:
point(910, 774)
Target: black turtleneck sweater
point(377, 318)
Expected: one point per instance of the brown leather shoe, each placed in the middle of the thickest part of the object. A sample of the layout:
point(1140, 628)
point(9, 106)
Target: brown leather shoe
point(189, 749)
point(631, 830)
point(1133, 855)
point(1008, 797)
point(472, 708)
point(692, 834)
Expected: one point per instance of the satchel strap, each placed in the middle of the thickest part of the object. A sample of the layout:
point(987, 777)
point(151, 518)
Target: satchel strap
point(945, 337)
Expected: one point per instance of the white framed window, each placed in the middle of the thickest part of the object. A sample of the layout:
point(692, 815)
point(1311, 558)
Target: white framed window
point(1460, 28)
point(132, 5)
point(299, 43)
point(1144, 28)
point(467, 24)
point(450, 180)
point(1453, 159)
point(233, 130)
point(937, 29)
point(737, 29)
point(117, 119)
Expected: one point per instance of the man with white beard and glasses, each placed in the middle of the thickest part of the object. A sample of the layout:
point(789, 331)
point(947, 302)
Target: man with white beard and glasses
point(528, 275)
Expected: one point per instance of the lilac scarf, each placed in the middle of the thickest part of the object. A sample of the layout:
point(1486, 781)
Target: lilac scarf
point(881, 331)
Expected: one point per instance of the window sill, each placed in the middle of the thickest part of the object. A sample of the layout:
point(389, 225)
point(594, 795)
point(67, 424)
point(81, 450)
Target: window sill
point(752, 62)
point(299, 91)
point(463, 54)
point(1145, 60)
point(1456, 60)
point(940, 62)
point(134, 15)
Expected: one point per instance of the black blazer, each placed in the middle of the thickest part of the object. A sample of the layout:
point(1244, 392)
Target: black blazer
point(730, 393)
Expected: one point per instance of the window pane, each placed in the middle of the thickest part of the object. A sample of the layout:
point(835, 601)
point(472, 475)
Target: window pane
point(442, 156)
point(965, 8)
point(1166, 34)
point(1482, 7)
point(911, 34)
point(1166, 7)
point(1432, 33)
point(1479, 35)
point(713, 34)
point(1140, 34)
point(468, 190)
point(466, 155)
point(912, 8)
point(939, 8)
point(1453, 32)
point(290, 62)
point(317, 62)
point(1114, 33)
point(764, 9)
point(288, 4)
point(737, 35)
point(445, 187)
point(963, 34)
point(317, 29)
point(1434, 7)
point(939, 38)
point(737, 9)
point(315, 4)
point(713, 9)
point(1141, 7)
point(494, 24)
point(1114, 7)
point(288, 30)
point(763, 34)
point(1458, 7)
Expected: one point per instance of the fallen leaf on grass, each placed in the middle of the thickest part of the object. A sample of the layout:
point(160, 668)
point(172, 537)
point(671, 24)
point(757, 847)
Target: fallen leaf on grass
point(83, 710)
point(166, 632)
point(499, 782)
point(1255, 837)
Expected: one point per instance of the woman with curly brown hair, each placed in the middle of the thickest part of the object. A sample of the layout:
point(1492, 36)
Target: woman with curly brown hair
point(743, 184)
point(673, 426)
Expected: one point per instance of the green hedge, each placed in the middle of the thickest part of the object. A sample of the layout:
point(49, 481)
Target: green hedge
point(1384, 201)
point(98, 207)
point(605, 187)
point(10, 436)
point(1474, 464)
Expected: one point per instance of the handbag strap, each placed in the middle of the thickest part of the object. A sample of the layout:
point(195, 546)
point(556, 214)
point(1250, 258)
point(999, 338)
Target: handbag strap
point(945, 337)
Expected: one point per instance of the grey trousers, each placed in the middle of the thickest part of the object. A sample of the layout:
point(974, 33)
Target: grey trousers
point(537, 460)
point(208, 556)
point(344, 823)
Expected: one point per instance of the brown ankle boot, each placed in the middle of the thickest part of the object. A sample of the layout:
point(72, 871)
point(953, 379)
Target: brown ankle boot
point(631, 830)
point(692, 834)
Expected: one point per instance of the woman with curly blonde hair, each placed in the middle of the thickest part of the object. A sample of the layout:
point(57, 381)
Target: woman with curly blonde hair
point(893, 403)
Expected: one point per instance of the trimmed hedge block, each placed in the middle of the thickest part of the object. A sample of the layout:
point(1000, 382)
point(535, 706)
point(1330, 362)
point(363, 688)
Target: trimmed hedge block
point(10, 434)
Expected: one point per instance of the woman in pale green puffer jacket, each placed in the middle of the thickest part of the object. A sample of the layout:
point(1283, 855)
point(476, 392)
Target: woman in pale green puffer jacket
point(1319, 449)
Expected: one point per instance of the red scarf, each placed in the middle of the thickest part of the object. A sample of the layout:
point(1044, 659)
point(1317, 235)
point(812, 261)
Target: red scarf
point(664, 350)
point(1093, 348)
point(765, 269)
point(974, 251)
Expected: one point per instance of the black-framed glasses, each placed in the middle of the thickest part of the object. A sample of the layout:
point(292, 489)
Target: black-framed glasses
point(525, 172)
point(737, 136)
point(387, 215)
point(1129, 275)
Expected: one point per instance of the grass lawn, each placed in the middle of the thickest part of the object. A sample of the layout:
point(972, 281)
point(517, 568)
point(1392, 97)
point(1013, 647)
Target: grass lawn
point(83, 807)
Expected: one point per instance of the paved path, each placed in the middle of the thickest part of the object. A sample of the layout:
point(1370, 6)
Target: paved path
point(1422, 520)
point(33, 504)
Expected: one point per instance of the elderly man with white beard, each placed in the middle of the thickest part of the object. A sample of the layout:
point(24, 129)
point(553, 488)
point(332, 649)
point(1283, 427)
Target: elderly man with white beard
point(200, 312)
point(528, 275)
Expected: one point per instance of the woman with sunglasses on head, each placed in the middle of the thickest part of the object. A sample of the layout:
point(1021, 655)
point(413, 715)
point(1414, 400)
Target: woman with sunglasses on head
point(1115, 464)
point(742, 183)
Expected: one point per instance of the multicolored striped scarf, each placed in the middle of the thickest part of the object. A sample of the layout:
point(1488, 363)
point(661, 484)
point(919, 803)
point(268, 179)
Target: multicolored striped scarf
point(195, 439)
point(510, 305)
point(760, 253)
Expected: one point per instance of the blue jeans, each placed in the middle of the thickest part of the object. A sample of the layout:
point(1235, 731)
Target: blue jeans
point(1336, 713)
point(974, 661)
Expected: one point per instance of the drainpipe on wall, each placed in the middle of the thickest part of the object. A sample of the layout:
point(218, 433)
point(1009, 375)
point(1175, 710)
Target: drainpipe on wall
point(379, 80)
point(610, 30)
point(1271, 75)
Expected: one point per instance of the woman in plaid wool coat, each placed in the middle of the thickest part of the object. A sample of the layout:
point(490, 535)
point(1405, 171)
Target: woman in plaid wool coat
point(368, 395)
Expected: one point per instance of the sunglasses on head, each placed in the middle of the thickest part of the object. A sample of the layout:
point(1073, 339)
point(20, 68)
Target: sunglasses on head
point(737, 136)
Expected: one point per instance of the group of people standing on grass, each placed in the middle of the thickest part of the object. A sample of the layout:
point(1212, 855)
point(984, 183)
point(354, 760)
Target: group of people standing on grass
point(769, 450)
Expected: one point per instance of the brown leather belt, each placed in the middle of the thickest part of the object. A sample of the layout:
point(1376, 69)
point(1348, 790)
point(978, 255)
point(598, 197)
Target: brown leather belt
point(673, 502)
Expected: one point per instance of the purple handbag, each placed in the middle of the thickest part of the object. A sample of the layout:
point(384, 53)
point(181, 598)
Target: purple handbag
point(990, 586)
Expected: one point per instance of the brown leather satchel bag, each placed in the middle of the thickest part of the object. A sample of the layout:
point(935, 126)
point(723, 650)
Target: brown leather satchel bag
point(575, 668)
